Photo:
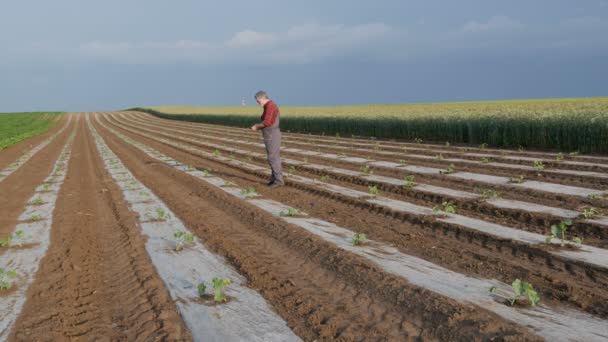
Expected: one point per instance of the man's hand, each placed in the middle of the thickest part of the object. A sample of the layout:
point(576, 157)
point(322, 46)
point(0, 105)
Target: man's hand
point(257, 127)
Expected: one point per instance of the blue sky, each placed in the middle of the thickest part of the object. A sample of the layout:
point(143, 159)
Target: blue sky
point(86, 55)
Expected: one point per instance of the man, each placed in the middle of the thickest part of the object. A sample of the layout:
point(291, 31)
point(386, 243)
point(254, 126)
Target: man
point(272, 136)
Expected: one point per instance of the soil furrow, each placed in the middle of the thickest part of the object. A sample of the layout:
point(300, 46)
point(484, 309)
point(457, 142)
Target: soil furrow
point(79, 293)
point(315, 280)
point(460, 252)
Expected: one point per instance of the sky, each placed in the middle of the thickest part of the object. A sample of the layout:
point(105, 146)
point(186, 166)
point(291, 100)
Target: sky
point(82, 55)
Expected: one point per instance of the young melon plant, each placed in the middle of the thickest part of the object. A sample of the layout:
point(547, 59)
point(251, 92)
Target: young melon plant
point(448, 170)
point(218, 288)
point(37, 201)
point(229, 183)
point(485, 160)
point(201, 287)
point(538, 165)
point(249, 192)
point(521, 290)
point(6, 278)
point(418, 141)
point(373, 190)
point(483, 146)
point(559, 231)
point(325, 178)
point(217, 153)
point(358, 239)
point(182, 239)
point(292, 169)
point(446, 207)
point(291, 212)
point(36, 218)
point(487, 194)
point(20, 237)
point(439, 156)
point(365, 170)
point(588, 213)
point(4, 243)
point(559, 157)
point(206, 172)
point(408, 181)
point(161, 214)
point(402, 161)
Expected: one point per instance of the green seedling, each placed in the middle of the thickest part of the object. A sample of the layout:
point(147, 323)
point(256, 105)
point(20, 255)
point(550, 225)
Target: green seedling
point(37, 201)
point(305, 160)
point(559, 231)
point(517, 180)
point(358, 239)
point(229, 183)
point(201, 287)
point(447, 144)
point(377, 147)
point(292, 169)
point(373, 190)
point(538, 165)
point(559, 157)
point(46, 187)
point(485, 160)
point(418, 141)
point(4, 243)
point(402, 161)
point(218, 288)
point(337, 135)
point(217, 153)
point(408, 181)
point(521, 289)
point(6, 278)
point(190, 168)
point(446, 207)
point(487, 194)
point(19, 237)
point(574, 153)
point(36, 218)
point(206, 172)
point(520, 148)
point(448, 170)
point(439, 156)
point(291, 212)
point(593, 196)
point(231, 156)
point(325, 178)
point(589, 213)
point(484, 145)
point(366, 170)
point(181, 239)
point(342, 155)
point(249, 192)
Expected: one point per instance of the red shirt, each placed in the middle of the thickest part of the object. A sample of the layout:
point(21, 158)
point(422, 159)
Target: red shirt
point(270, 115)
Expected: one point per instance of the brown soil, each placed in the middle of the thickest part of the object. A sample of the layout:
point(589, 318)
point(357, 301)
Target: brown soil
point(21, 184)
point(321, 291)
point(96, 281)
point(461, 250)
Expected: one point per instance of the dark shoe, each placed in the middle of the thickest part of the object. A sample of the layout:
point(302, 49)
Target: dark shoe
point(270, 183)
point(275, 185)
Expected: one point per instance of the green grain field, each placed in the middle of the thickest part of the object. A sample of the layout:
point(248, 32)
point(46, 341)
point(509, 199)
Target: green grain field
point(15, 127)
point(571, 124)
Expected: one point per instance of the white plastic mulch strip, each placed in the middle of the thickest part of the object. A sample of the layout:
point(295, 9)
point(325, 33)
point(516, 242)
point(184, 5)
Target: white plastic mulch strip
point(583, 253)
point(499, 203)
point(552, 323)
point(245, 318)
point(25, 252)
point(534, 185)
point(504, 203)
point(14, 166)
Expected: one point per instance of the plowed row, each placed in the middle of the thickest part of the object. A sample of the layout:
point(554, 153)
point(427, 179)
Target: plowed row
point(422, 275)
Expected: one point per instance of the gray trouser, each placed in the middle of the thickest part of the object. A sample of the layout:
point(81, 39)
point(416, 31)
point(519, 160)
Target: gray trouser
point(272, 141)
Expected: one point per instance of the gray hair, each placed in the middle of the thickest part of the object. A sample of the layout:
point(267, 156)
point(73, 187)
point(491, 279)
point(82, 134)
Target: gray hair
point(261, 95)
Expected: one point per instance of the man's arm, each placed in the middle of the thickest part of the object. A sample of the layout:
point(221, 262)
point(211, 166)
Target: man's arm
point(270, 116)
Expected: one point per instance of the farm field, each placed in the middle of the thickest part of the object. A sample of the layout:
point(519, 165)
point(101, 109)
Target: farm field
point(566, 125)
point(15, 127)
point(116, 219)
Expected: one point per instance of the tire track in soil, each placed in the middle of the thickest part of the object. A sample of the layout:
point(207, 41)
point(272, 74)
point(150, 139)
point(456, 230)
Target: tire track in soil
point(321, 292)
point(457, 254)
point(96, 281)
point(13, 152)
point(22, 183)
